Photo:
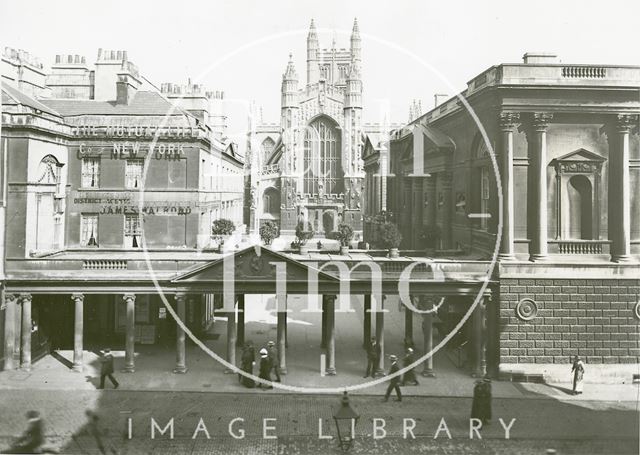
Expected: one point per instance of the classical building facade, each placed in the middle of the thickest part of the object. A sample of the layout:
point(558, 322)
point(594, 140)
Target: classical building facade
point(309, 165)
point(98, 161)
point(556, 147)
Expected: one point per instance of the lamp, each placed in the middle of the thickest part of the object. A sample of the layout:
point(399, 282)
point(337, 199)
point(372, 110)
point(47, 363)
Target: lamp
point(346, 419)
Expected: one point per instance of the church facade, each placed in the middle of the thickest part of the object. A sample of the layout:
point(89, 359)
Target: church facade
point(309, 167)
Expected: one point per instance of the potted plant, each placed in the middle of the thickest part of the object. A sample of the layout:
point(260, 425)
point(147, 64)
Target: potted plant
point(304, 232)
point(431, 236)
point(390, 237)
point(344, 234)
point(220, 229)
point(268, 232)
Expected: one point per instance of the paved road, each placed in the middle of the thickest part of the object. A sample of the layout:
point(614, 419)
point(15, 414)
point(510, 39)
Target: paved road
point(584, 427)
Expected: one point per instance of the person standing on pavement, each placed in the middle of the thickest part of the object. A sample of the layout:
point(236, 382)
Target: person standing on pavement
point(265, 369)
point(247, 362)
point(409, 377)
point(481, 404)
point(578, 375)
point(106, 369)
point(274, 357)
point(394, 383)
point(373, 352)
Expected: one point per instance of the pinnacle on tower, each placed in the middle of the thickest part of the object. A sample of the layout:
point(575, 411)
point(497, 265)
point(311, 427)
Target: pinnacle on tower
point(290, 72)
point(312, 31)
point(355, 33)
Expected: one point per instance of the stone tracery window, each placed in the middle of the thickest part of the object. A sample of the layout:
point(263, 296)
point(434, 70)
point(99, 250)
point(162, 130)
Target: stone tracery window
point(322, 165)
point(267, 148)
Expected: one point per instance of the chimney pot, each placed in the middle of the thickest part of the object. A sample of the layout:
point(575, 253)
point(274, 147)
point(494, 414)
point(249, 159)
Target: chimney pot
point(540, 58)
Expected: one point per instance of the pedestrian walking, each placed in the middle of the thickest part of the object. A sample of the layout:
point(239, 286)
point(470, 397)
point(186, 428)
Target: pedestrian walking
point(106, 369)
point(481, 404)
point(32, 439)
point(373, 354)
point(409, 377)
point(274, 356)
point(394, 383)
point(265, 369)
point(93, 429)
point(578, 375)
point(247, 361)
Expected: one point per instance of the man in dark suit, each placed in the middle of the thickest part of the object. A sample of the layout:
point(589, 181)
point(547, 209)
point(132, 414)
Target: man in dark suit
point(33, 437)
point(274, 357)
point(374, 351)
point(394, 383)
point(106, 369)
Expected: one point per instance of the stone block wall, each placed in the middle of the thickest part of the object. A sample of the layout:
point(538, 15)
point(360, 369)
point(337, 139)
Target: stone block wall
point(595, 319)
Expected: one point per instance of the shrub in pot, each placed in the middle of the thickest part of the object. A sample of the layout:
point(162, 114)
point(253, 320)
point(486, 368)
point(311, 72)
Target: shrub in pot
point(304, 233)
point(344, 234)
point(222, 228)
point(268, 232)
point(390, 237)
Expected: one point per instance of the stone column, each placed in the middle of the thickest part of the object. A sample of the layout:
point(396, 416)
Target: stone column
point(78, 331)
point(367, 321)
point(26, 331)
point(9, 330)
point(241, 319)
point(408, 322)
point(380, 338)
point(507, 125)
point(232, 338)
point(323, 340)
point(540, 125)
point(479, 341)
point(331, 334)
point(427, 333)
point(130, 342)
point(619, 188)
point(281, 340)
point(181, 354)
point(447, 209)
point(17, 331)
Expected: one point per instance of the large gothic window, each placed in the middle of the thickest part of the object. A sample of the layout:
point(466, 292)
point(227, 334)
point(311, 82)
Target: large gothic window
point(267, 149)
point(322, 167)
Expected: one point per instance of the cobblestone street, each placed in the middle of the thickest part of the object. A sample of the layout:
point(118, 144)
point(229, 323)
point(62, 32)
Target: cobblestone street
point(584, 427)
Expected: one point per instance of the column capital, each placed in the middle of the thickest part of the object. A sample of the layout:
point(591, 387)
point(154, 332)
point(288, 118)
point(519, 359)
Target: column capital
point(179, 296)
point(540, 121)
point(330, 297)
point(508, 120)
point(9, 297)
point(624, 123)
point(77, 296)
point(127, 297)
point(24, 297)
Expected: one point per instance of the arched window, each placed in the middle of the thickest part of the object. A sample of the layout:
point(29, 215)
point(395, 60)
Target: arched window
point(322, 166)
point(580, 208)
point(267, 148)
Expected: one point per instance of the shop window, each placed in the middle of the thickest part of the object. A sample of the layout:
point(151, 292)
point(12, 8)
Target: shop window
point(89, 229)
point(90, 172)
point(133, 173)
point(132, 231)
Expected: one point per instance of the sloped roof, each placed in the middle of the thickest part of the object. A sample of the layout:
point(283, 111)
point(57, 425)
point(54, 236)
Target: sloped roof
point(13, 96)
point(143, 103)
point(436, 136)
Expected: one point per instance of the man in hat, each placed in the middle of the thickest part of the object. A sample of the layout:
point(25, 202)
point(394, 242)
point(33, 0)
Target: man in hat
point(373, 354)
point(409, 376)
point(265, 369)
point(394, 383)
point(106, 369)
point(481, 403)
point(274, 356)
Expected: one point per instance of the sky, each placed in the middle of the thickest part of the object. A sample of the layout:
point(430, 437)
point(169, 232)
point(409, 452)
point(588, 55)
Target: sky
point(411, 49)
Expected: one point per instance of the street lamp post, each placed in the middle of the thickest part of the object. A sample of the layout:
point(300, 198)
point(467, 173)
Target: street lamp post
point(346, 419)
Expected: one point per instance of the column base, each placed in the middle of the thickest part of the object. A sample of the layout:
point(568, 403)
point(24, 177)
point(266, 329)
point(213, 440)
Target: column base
point(378, 374)
point(129, 369)
point(77, 368)
point(180, 370)
point(282, 371)
point(330, 372)
point(621, 258)
point(506, 257)
point(539, 257)
point(428, 374)
point(26, 368)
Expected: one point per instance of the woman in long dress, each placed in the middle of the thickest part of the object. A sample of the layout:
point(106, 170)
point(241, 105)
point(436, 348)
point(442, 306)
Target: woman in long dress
point(578, 375)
